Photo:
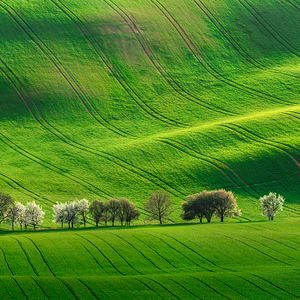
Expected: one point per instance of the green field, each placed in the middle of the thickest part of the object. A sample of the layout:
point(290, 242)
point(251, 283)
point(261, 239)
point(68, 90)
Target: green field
point(257, 260)
point(119, 98)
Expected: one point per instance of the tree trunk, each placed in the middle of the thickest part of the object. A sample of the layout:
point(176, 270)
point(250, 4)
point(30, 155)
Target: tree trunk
point(62, 225)
point(25, 226)
point(84, 221)
point(222, 218)
point(69, 223)
point(34, 226)
point(12, 226)
point(96, 224)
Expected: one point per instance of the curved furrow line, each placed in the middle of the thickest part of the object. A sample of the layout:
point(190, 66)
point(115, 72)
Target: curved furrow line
point(81, 147)
point(183, 287)
point(263, 141)
point(158, 66)
point(278, 287)
point(110, 66)
point(148, 287)
point(290, 2)
point(290, 114)
point(32, 278)
point(257, 286)
point(17, 283)
point(88, 288)
point(214, 159)
point(290, 210)
point(158, 283)
point(68, 287)
point(169, 144)
point(32, 266)
point(272, 31)
point(151, 262)
point(165, 259)
point(209, 68)
point(182, 253)
point(116, 251)
point(86, 102)
point(41, 254)
point(288, 246)
point(96, 261)
point(12, 183)
point(204, 258)
point(207, 285)
point(101, 253)
point(236, 291)
point(48, 165)
point(235, 44)
point(290, 257)
point(254, 248)
point(5, 259)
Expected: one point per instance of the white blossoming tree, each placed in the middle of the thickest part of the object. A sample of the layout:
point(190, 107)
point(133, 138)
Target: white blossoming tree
point(71, 213)
point(271, 204)
point(59, 213)
point(83, 209)
point(33, 214)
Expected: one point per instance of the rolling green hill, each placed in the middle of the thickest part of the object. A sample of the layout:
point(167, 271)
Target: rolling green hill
point(257, 260)
point(121, 98)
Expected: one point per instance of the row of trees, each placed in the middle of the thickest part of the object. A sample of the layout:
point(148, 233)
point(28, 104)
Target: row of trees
point(24, 215)
point(111, 210)
point(159, 206)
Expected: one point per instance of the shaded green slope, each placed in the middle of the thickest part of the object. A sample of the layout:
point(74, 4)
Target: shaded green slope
point(120, 98)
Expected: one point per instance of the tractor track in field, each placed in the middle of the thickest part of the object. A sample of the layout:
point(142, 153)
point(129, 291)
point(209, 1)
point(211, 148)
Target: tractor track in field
point(236, 291)
point(35, 281)
point(204, 258)
point(48, 165)
point(165, 259)
point(207, 285)
point(177, 251)
point(184, 288)
point(148, 287)
point(288, 246)
point(41, 254)
point(268, 27)
point(12, 183)
point(278, 287)
point(207, 159)
point(265, 245)
point(142, 254)
point(96, 247)
point(118, 253)
point(207, 66)
point(68, 287)
point(96, 261)
point(157, 65)
point(257, 286)
point(162, 286)
point(19, 286)
point(88, 288)
point(5, 259)
point(264, 141)
point(239, 49)
point(111, 67)
point(25, 253)
point(251, 247)
point(112, 158)
point(290, 2)
point(86, 102)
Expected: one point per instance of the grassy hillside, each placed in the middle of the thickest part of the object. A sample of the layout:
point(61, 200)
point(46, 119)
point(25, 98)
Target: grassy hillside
point(258, 260)
point(121, 98)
